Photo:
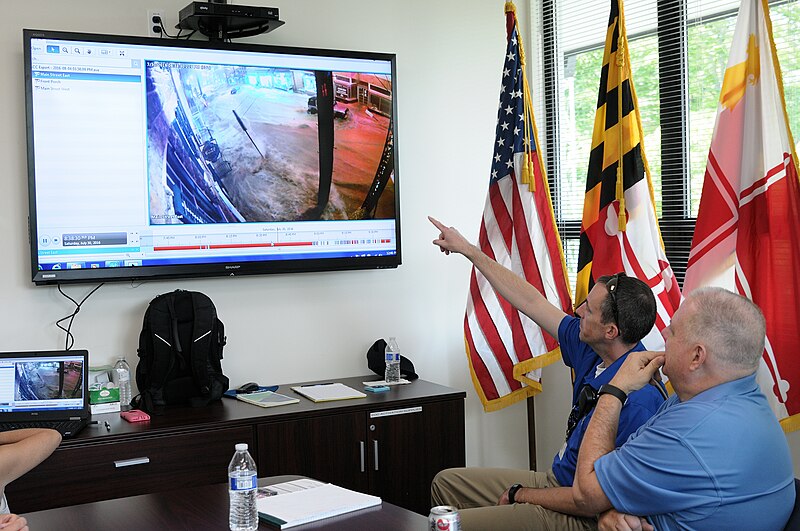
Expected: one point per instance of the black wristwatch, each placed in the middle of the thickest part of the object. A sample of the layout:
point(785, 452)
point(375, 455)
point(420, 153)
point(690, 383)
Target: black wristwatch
point(608, 389)
point(512, 492)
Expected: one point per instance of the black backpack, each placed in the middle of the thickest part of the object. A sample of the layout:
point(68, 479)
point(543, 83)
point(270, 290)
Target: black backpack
point(180, 348)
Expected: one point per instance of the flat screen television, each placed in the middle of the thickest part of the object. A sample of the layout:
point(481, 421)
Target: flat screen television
point(159, 158)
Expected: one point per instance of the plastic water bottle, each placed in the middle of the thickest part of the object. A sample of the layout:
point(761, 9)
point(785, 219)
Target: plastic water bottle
point(242, 484)
point(122, 376)
point(392, 358)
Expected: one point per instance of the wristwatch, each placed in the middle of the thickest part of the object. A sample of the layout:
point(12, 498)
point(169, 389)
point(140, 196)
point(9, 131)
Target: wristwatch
point(512, 492)
point(608, 389)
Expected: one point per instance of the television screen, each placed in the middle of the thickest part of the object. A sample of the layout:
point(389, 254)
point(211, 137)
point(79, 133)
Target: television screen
point(158, 158)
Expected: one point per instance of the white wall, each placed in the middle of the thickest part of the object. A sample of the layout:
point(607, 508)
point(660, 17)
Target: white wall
point(284, 328)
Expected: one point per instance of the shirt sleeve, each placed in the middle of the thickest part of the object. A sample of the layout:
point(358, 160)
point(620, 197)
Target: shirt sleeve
point(647, 474)
point(569, 330)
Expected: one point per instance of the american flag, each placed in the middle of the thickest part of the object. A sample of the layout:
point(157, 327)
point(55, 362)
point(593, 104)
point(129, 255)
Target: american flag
point(506, 349)
point(747, 237)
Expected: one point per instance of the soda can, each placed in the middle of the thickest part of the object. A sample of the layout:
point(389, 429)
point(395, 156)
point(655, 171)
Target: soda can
point(444, 518)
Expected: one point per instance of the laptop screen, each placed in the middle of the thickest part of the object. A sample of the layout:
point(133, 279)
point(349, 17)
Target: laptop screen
point(43, 384)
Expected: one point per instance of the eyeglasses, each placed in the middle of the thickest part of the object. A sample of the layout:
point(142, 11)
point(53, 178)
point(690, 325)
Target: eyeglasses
point(587, 399)
point(611, 286)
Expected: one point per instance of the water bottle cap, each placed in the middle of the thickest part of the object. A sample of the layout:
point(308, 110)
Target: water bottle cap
point(241, 447)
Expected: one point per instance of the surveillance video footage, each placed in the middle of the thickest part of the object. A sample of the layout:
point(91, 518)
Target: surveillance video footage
point(49, 380)
point(240, 144)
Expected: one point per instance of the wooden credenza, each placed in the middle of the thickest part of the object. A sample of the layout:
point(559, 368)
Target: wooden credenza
point(388, 444)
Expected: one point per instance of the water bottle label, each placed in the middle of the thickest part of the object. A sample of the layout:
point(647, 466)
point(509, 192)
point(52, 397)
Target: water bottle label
point(392, 356)
point(244, 483)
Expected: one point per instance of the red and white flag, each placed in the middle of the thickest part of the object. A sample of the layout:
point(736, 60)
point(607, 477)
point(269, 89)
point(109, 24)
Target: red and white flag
point(505, 348)
point(747, 237)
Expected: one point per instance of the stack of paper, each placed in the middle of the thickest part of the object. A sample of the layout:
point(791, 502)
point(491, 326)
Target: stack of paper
point(300, 502)
point(401, 381)
point(327, 391)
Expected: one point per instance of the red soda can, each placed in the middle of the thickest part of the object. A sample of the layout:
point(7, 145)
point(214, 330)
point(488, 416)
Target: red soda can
point(444, 518)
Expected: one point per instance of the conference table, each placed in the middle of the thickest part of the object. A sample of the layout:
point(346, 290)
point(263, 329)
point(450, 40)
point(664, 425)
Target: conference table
point(203, 508)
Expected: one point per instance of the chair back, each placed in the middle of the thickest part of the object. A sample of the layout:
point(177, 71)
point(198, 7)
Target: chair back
point(794, 519)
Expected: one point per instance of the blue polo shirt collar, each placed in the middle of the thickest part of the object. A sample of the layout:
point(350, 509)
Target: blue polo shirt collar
point(741, 386)
point(609, 372)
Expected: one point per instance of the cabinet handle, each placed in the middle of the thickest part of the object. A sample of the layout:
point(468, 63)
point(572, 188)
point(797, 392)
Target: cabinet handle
point(375, 448)
point(362, 454)
point(131, 462)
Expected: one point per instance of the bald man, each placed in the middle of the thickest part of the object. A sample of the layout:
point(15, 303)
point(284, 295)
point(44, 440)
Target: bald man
point(714, 456)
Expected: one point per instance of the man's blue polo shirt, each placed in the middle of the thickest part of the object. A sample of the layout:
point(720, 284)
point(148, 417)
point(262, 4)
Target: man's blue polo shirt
point(717, 461)
point(641, 405)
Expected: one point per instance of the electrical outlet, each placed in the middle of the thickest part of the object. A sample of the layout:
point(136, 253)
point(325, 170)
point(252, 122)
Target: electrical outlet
point(153, 27)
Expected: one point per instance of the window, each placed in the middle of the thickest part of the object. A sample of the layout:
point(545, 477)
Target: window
point(679, 51)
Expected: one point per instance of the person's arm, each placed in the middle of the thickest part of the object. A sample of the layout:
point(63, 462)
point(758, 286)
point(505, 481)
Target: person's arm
point(511, 287)
point(634, 374)
point(21, 450)
point(558, 499)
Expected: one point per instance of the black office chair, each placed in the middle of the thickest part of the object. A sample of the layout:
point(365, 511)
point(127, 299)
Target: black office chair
point(794, 519)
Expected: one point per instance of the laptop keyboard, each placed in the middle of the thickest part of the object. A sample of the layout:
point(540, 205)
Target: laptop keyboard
point(64, 427)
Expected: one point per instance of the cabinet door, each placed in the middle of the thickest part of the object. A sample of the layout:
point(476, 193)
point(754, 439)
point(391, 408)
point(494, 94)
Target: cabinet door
point(409, 446)
point(329, 448)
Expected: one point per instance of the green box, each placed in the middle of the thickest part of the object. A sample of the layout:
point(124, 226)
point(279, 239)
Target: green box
point(100, 394)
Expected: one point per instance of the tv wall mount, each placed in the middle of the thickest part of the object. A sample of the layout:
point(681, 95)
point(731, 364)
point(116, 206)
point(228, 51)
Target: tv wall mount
point(220, 21)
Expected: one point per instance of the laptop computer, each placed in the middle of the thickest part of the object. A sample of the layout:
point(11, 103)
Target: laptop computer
point(44, 389)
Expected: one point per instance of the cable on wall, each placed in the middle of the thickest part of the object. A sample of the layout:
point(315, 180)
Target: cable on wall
point(69, 339)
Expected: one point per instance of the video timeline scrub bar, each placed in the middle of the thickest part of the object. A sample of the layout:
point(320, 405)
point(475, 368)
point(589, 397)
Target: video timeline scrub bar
point(267, 244)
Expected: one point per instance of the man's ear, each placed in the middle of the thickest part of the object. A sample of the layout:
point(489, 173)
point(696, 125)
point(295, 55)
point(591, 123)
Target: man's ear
point(612, 331)
point(699, 355)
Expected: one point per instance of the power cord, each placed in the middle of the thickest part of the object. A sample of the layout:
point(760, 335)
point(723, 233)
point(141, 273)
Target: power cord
point(69, 340)
point(158, 27)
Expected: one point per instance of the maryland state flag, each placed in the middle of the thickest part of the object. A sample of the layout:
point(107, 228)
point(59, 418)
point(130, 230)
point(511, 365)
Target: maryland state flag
point(505, 348)
point(747, 237)
point(619, 230)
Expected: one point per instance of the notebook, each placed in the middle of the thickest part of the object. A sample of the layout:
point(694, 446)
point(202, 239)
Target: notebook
point(44, 389)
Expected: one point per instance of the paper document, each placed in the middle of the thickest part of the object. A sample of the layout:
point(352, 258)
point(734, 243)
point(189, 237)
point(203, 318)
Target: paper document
point(289, 486)
point(327, 391)
point(298, 502)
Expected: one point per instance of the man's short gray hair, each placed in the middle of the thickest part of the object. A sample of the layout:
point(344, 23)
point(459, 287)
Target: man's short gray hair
point(731, 326)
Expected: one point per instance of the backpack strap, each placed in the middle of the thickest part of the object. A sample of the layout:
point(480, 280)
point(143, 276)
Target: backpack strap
point(176, 336)
point(204, 319)
point(163, 338)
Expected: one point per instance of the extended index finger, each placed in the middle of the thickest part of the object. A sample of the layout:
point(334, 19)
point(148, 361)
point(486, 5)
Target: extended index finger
point(436, 223)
